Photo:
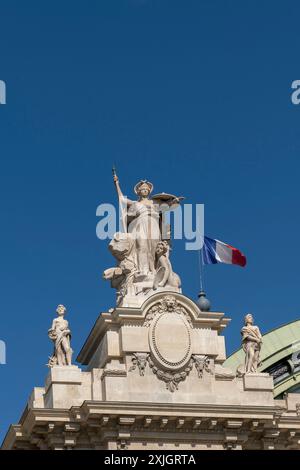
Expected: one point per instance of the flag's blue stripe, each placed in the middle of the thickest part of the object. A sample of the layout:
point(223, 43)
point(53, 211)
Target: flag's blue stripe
point(209, 251)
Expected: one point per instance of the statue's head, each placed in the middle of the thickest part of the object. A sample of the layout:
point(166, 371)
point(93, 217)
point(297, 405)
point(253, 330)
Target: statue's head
point(162, 247)
point(143, 188)
point(248, 319)
point(61, 310)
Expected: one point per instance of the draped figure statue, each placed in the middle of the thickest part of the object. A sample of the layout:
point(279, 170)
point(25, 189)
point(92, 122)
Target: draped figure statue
point(142, 224)
point(251, 342)
point(60, 334)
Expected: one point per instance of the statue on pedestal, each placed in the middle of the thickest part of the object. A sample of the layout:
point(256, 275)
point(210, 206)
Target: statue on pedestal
point(251, 342)
point(142, 249)
point(60, 334)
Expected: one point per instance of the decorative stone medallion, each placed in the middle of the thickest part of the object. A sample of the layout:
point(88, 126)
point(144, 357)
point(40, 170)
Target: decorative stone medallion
point(170, 341)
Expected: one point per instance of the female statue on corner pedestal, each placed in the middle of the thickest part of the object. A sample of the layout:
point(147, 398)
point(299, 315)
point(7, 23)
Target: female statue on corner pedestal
point(251, 342)
point(60, 334)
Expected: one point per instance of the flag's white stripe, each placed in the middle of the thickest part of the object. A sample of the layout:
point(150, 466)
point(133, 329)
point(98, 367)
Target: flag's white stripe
point(223, 253)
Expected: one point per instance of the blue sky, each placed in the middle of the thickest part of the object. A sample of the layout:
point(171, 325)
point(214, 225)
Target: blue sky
point(194, 96)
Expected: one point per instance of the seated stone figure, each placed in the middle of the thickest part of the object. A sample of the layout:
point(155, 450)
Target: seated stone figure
point(165, 277)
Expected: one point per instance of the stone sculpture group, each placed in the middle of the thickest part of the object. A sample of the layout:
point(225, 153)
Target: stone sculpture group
point(142, 252)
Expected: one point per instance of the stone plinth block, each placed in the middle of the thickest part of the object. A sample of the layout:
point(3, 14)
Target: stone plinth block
point(256, 381)
point(63, 374)
point(63, 387)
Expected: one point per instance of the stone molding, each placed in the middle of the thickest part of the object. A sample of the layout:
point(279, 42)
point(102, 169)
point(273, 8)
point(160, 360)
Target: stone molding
point(202, 426)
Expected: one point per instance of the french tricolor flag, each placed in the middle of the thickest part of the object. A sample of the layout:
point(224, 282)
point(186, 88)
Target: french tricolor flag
point(214, 251)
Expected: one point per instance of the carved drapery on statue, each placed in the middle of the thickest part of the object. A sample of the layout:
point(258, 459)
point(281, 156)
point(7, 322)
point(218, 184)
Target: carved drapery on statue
point(142, 249)
point(251, 341)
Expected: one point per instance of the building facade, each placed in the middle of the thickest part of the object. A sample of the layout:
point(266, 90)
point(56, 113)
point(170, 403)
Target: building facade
point(154, 376)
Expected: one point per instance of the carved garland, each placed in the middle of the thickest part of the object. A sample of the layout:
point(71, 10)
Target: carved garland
point(171, 379)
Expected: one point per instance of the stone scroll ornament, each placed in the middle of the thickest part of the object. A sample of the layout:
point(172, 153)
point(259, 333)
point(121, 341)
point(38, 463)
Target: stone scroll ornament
point(60, 334)
point(142, 248)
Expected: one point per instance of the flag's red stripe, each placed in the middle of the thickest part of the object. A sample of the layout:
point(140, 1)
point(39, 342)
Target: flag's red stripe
point(238, 257)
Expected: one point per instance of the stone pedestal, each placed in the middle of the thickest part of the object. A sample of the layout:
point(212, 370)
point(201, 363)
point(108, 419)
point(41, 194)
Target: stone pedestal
point(63, 386)
point(258, 381)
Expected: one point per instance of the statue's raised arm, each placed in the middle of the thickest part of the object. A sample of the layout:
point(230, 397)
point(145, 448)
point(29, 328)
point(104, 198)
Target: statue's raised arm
point(121, 197)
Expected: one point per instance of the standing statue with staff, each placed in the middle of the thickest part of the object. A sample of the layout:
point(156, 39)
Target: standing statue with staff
point(135, 248)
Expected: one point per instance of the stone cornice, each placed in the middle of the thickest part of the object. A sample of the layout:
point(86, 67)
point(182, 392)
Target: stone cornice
point(51, 427)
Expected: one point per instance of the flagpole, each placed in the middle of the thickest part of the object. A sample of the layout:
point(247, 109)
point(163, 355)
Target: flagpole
point(202, 302)
point(121, 208)
point(200, 259)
